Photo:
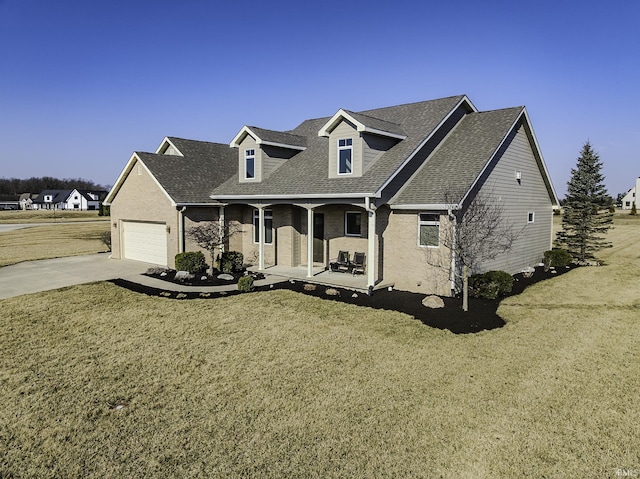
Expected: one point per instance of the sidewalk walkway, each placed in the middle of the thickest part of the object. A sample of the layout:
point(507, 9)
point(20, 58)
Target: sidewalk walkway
point(47, 274)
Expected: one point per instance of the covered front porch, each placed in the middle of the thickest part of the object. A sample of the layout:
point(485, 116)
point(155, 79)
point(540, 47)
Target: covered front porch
point(299, 240)
point(321, 275)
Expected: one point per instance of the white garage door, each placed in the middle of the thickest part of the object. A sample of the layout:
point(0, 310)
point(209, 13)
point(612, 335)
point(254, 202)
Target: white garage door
point(145, 242)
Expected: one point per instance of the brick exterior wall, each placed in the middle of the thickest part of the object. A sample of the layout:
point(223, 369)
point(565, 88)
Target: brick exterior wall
point(141, 199)
point(406, 264)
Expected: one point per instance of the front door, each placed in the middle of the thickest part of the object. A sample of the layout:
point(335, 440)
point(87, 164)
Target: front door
point(318, 237)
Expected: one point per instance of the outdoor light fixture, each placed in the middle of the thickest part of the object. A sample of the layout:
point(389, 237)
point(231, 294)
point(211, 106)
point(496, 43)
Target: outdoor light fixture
point(518, 176)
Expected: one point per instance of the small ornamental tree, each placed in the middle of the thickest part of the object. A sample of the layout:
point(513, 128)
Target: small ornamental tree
point(212, 235)
point(480, 231)
point(586, 215)
point(634, 211)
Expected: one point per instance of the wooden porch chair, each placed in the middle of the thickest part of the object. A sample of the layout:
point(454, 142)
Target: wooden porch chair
point(358, 264)
point(341, 264)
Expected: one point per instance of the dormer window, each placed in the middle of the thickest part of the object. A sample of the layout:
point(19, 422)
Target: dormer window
point(345, 156)
point(250, 164)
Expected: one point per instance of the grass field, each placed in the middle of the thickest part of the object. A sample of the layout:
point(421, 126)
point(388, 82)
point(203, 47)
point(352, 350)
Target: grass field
point(277, 384)
point(52, 241)
point(49, 216)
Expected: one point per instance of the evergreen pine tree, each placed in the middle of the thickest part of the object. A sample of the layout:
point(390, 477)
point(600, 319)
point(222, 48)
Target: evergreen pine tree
point(634, 211)
point(586, 216)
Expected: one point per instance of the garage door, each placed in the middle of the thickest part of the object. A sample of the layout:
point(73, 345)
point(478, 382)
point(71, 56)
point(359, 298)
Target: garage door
point(145, 242)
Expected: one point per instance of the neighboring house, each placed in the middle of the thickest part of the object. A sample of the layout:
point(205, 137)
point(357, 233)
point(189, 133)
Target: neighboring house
point(75, 199)
point(631, 196)
point(26, 201)
point(9, 202)
point(378, 182)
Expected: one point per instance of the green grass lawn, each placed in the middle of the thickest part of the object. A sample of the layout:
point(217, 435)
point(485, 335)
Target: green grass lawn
point(277, 384)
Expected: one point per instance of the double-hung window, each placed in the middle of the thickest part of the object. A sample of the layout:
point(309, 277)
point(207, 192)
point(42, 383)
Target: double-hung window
point(429, 230)
point(353, 223)
point(249, 164)
point(345, 156)
point(268, 226)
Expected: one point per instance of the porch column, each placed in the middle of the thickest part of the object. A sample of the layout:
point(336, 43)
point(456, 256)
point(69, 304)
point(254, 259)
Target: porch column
point(309, 242)
point(221, 226)
point(261, 237)
point(371, 250)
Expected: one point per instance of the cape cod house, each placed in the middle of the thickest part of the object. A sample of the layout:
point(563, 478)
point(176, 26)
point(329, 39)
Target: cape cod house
point(378, 182)
point(80, 200)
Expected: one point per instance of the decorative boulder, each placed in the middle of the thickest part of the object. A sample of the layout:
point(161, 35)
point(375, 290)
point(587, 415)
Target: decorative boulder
point(332, 292)
point(226, 277)
point(183, 276)
point(433, 302)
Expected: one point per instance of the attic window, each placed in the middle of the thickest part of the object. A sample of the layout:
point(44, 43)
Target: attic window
point(345, 156)
point(249, 164)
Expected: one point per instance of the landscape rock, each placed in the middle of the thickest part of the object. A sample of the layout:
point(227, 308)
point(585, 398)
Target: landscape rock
point(183, 276)
point(332, 292)
point(433, 302)
point(226, 277)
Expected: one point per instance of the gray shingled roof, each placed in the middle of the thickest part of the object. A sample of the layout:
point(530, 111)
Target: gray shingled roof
point(377, 123)
point(190, 178)
point(282, 137)
point(306, 172)
point(454, 166)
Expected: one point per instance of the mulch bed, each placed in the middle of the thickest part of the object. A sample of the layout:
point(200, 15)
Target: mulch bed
point(481, 315)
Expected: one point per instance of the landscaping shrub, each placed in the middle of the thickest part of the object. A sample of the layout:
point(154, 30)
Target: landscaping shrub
point(231, 261)
point(557, 257)
point(191, 261)
point(490, 285)
point(245, 284)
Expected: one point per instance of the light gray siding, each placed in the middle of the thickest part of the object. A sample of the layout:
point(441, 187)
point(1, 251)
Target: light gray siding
point(345, 130)
point(249, 143)
point(373, 146)
point(273, 157)
point(520, 197)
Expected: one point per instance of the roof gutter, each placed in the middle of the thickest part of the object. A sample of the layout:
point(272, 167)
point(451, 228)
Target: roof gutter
point(311, 196)
point(432, 206)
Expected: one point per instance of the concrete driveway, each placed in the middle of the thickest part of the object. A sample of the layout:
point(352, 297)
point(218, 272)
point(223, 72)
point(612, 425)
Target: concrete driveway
point(43, 275)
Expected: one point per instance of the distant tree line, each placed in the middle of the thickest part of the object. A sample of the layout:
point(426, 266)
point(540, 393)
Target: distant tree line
point(16, 186)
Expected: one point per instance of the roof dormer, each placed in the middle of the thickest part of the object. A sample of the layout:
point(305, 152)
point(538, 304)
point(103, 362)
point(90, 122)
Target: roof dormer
point(356, 141)
point(260, 151)
point(167, 147)
point(363, 124)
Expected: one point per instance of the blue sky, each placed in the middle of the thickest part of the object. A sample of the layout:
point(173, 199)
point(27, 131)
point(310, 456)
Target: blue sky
point(83, 84)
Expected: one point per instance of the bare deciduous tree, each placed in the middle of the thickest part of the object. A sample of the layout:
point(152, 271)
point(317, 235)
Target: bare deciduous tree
point(213, 235)
point(479, 231)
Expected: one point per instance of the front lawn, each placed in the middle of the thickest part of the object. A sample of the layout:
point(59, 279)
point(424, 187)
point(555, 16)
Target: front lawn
point(98, 381)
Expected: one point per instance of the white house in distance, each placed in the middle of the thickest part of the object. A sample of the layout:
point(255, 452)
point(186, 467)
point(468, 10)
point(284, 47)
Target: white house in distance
point(80, 200)
point(631, 196)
